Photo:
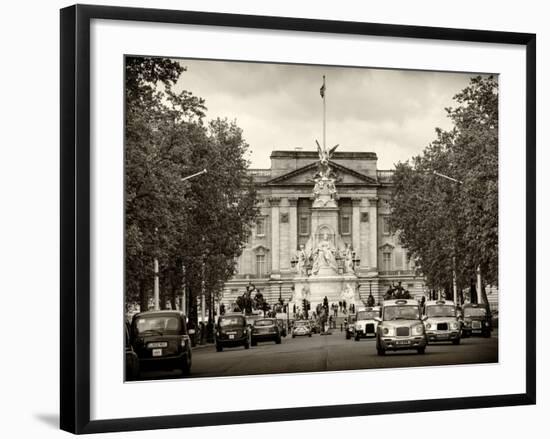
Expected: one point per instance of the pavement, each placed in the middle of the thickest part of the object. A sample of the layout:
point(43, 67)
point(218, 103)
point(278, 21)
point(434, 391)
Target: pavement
point(327, 353)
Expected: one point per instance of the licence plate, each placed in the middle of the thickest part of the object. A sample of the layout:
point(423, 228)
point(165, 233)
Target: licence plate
point(402, 342)
point(157, 352)
point(231, 336)
point(477, 331)
point(441, 336)
point(370, 333)
point(157, 344)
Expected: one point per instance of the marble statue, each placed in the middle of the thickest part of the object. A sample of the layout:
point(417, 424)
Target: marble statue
point(324, 255)
point(301, 266)
point(348, 293)
point(348, 259)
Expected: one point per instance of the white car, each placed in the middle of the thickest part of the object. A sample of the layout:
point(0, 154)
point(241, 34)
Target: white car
point(366, 323)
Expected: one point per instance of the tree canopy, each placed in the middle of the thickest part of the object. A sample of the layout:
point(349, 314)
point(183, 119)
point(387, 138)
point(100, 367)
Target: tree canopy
point(194, 227)
point(439, 219)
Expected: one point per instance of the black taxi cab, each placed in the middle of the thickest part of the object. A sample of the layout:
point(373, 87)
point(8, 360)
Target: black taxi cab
point(477, 321)
point(266, 329)
point(161, 341)
point(441, 321)
point(400, 327)
point(232, 330)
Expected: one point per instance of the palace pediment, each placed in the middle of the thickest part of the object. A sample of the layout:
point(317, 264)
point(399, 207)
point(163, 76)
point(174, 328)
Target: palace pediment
point(304, 176)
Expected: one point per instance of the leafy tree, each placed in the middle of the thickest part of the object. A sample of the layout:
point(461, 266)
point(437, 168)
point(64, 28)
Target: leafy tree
point(194, 228)
point(446, 224)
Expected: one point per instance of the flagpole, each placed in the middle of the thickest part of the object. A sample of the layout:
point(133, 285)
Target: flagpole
point(324, 115)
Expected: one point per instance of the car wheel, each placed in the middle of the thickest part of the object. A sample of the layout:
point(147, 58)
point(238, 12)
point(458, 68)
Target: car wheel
point(347, 336)
point(357, 338)
point(421, 350)
point(456, 341)
point(310, 334)
point(293, 336)
point(219, 348)
point(254, 343)
point(487, 334)
point(278, 340)
point(246, 344)
point(186, 368)
point(380, 351)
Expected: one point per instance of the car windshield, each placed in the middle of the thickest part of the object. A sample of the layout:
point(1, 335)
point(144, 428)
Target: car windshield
point(401, 312)
point(474, 312)
point(367, 315)
point(250, 320)
point(157, 324)
point(264, 322)
point(303, 324)
point(231, 321)
point(440, 311)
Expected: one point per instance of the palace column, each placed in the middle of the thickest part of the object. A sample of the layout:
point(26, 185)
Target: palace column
point(275, 247)
point(356, 227)
point(373, 233)
point(293, 224)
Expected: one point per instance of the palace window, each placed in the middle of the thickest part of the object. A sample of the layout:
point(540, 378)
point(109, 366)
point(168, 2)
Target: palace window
point(260, 266)
point(304, 225)
point(260, 226)
point(345, 225)
point(386, 261)
point(398, 260)
point(386, 229)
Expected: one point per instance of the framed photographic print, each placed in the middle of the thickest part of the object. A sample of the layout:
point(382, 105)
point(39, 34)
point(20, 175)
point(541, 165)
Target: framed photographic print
point(271, 210)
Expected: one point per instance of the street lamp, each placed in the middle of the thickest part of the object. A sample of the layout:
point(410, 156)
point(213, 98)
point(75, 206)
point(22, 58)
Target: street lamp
point(280, 290)
point(156, 290)
point(455, 292)
point(356, 260)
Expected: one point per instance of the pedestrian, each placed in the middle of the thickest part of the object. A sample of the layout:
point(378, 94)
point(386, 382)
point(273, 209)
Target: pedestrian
point(344, 304)
point(370, 300)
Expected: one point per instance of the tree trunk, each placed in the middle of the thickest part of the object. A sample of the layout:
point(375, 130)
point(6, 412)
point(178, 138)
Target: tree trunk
point(143, 296)
point(174, 292)
point(473, 291)
point(484, 295)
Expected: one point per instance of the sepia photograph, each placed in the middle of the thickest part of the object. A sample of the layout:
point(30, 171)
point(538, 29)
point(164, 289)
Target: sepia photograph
point(294, 218)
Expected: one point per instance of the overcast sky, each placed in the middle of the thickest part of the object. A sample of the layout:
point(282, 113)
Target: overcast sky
point(393, 113)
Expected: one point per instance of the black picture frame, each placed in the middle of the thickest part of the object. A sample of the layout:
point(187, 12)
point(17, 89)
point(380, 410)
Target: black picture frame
point(75, 217)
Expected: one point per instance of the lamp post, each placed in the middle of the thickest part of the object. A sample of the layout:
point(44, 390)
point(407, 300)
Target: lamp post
point(356, 260)
point(455, 292)
point(156, 289)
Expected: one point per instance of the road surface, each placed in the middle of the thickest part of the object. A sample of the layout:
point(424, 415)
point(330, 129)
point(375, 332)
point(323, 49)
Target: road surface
point(327, 353)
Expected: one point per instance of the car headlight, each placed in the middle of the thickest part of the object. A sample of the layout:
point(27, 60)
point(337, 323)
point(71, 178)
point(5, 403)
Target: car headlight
point(418, 329)
point(387, 331)
point(358, 327)
point(486, 323)
point(428, 326)
point(454, 325)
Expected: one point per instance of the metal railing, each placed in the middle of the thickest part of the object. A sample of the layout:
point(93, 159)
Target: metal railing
point(385, 175)
point(396, 273)
point(260, 172)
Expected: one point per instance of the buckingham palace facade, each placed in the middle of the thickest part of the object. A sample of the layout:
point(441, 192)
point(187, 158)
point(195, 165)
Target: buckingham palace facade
point(287, 216)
